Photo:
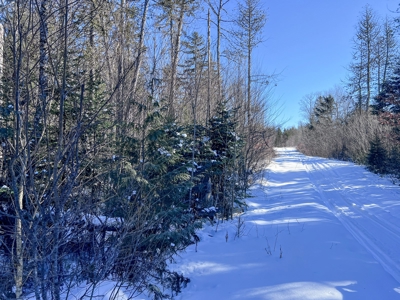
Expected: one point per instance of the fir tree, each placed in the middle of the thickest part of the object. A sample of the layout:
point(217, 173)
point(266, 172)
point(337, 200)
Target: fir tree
point(393, 164)
point(377, 156)
point(227, 146)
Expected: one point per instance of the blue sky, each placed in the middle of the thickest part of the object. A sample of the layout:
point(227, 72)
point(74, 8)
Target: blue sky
point(309, 42)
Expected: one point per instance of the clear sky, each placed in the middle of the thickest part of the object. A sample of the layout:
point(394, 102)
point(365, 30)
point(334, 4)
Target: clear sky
point(309, 42)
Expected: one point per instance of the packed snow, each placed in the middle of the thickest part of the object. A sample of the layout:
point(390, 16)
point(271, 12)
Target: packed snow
point(314, 229)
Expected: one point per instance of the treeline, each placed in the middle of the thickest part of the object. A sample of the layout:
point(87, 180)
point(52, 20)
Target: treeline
point(360, 120)
point(122, 129)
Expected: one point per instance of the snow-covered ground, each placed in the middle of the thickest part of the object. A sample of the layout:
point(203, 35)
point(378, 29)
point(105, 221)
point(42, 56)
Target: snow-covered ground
point(315, 229)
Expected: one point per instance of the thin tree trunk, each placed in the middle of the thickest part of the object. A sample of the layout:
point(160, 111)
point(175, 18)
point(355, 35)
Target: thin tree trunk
point(249, 123)
point(390, 44)
point(139, 57)
point(39, 269)
point(249, 52)
point(219, 50)
point(141, 45)
point(43, 49)
point(2, 173)
point(369, 53)
point(121, 61)
point(209, 67)
point(18, 245)
point(175, 59)
point(1, 50)
point(18, 187)
point(56, 286)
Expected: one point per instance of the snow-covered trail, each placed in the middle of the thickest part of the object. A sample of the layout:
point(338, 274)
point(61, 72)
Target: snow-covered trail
point(315, 229)
point(360, 208)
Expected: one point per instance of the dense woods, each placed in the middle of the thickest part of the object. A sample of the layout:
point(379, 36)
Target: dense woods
point(359, 120)
point(126, 125)
point(123, 129)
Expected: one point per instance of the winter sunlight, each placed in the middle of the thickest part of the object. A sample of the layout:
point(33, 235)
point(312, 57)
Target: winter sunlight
point(314, 229)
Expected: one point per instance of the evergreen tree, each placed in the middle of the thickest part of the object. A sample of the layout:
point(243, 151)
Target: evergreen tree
point(393, 164)
point(323, 110)
point(227, 146)
point(86, 144)
point(387, 104)
point(377, 156)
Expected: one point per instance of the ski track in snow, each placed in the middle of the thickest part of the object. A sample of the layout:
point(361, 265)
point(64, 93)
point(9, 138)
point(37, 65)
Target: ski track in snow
point(371, 229)
point(338, 225)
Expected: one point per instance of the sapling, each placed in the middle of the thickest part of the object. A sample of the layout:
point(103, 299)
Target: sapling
point(302, 227)
point(268, 249)
point(276, 237)
point(240, 227)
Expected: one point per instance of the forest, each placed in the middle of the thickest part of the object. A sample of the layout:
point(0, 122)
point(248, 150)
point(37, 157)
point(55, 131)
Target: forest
point(124, 128)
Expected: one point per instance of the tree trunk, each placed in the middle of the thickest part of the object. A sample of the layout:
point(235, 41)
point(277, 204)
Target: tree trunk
point(58, 202)
point(139, 56)
point(208, 68)
point(175, 59)
point(18, 187)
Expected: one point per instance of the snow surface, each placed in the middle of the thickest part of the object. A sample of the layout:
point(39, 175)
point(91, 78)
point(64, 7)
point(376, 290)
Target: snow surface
point(337, 224)
point(314, 229)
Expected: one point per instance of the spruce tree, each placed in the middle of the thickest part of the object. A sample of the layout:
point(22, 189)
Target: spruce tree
point(323, 110)
point(227, 146)
point(377, 156)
